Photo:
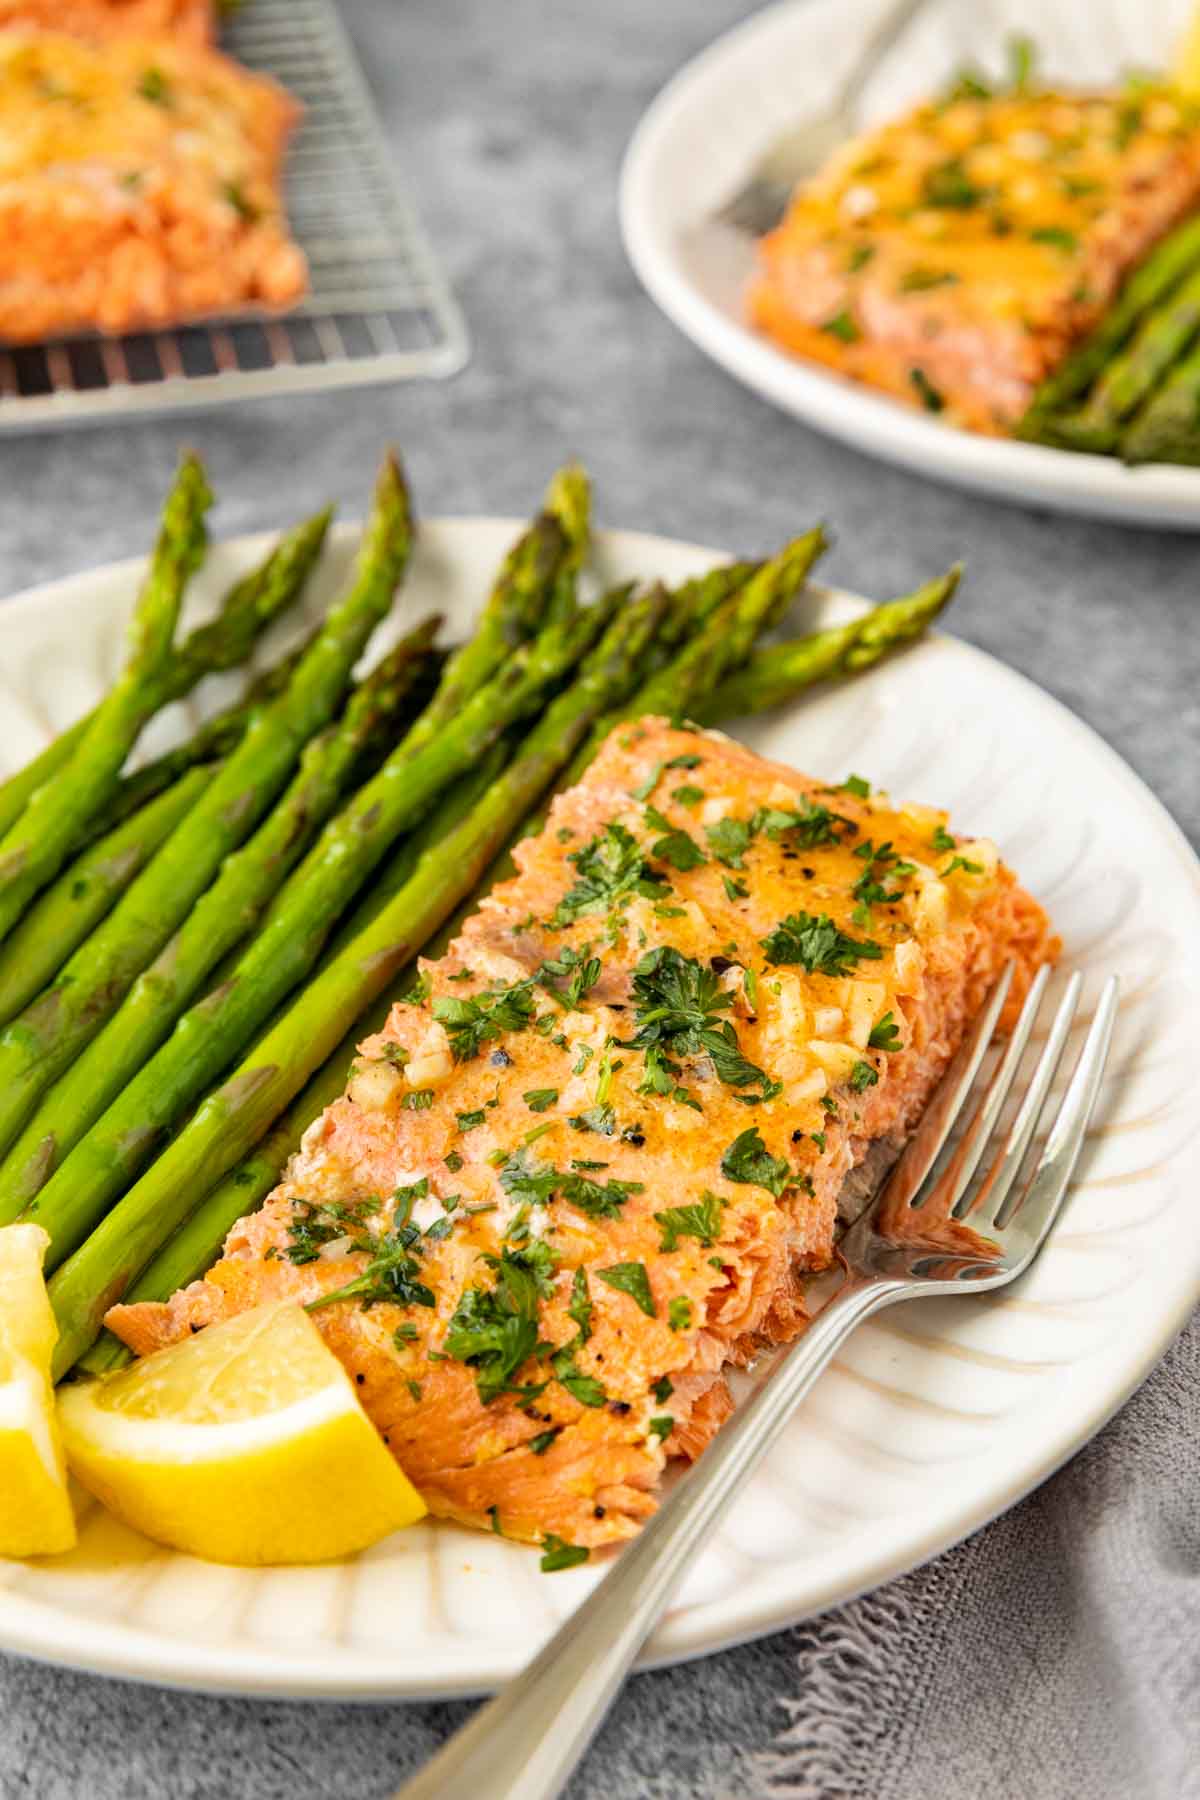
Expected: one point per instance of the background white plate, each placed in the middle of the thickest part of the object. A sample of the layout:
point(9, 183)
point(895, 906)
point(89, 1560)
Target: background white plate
point(937, 1416)
point(703, 133)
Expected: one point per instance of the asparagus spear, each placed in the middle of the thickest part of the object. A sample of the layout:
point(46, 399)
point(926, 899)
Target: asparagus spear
point(232, 1119)
point(197, 1243)
point(39, 1044)
point(217, 1027)
point(723, 641)
point(72, 907)
point(1176, 256)
point(539, 567)
point(248, 608)
point(569, 501)
point(1167, 429)
point(221, 917)
point(1134, 374)
point(35, 848)
point(777, 674)
point(61, 918)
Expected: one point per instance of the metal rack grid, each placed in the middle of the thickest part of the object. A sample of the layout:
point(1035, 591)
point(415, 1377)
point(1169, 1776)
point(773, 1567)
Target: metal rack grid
point(379, 308)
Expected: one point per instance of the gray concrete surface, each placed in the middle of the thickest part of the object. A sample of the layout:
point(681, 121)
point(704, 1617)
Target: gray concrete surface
point(511, 120)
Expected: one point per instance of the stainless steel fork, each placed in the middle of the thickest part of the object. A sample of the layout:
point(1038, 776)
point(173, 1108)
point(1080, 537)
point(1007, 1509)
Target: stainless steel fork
point(957, 1218)
point(762, 199)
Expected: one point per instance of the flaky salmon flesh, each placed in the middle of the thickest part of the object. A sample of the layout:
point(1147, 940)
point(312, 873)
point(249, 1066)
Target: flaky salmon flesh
point(587, 1164)
point(955, 256)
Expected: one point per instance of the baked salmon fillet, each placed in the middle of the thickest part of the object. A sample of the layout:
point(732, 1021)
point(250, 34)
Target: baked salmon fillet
point(954, 256)
point(139, 185)
point(190, 19)
point(586, 1165)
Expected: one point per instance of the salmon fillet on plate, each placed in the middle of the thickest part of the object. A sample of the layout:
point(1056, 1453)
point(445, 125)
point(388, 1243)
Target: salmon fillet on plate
point(587, 1165)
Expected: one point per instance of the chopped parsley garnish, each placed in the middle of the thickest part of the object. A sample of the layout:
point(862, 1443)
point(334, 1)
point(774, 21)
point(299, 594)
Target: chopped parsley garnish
point(885, 1035)
point(842, 326)
point(701, 1220)
point(578, 969)
point(941, 839)
point(644, 789)
point(540, 1100)
point(816, 943)
point(920, 281)
point(542, 1442)
point(676, 846)
point(748, 1160)
point(661, 1076)
point(558, 1554)
point(538, 1183)
point(855, 784)
point(662, 1390)
point(607, 869)
point(662, 1426)
point(631, 1278)
point(235, 194)
point(154, 86)
point(964, 863)
point(679, 1001)
point(580, 1308)
point(395, 1054)
point(393, 1271)
point(734, 889)
point(417, 993)
point(948, 185)
point(418, 1100)
point(601, 1119)
point(469, 1024)
point(928, 395)
point(453, 1161)
point(494, 1330)
point(687, 795)
point(1056, 236)
point(679, 1313)
point(859, 257)
point(581, 1386)
point(862, 1075)
point(729, 839)
point(467, 1121)
point(313, 1225)
point(688, 760)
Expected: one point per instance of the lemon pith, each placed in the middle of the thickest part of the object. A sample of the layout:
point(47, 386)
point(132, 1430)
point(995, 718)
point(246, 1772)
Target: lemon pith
point(245, 1444)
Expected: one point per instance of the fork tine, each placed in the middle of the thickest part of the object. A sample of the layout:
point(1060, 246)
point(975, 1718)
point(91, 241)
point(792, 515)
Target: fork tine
point(1037, 1209)
point(991, 1199)
point(970, 1151)
point(923, 1148)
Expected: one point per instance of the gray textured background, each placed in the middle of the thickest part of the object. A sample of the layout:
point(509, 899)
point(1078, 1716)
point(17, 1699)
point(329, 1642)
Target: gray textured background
point(511, 120)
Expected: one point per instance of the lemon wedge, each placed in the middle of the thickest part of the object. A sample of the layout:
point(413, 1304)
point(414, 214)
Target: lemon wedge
point(35, 1510)
point(1185, 71)
point(243, 1444)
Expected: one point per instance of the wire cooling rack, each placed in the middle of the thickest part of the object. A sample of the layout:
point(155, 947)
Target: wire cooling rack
point(379, 309)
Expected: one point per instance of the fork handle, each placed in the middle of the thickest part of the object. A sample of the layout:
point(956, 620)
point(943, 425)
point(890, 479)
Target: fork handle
point(524, 1744)
point(885, 34)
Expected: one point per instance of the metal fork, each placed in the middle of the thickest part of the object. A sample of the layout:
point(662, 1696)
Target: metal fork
point(913, 1240)
point(762, 200)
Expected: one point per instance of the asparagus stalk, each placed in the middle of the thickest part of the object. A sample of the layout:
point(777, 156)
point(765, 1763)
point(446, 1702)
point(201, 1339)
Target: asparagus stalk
point(36, 846)
point(723, 641)
point(1176, 256)
point(197, 1243)
point(102, 1164)
point(248, 608)
point(569, 502)
point(538, 569)
point(1167, 429)
point(46, 1037)
point(233, 1118)
point(71, 908)
point(220, 919)
point(771, 676)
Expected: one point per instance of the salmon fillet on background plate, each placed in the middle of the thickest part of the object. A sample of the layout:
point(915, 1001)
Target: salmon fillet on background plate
point(192, 19)
point(954, 256)
point(589, 1161)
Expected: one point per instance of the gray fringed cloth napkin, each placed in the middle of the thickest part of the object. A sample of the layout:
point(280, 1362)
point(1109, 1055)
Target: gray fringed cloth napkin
point(1054, 1656)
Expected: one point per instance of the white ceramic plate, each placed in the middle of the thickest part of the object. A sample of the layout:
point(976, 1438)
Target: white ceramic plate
point(705, 131)
point(936, 1417)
